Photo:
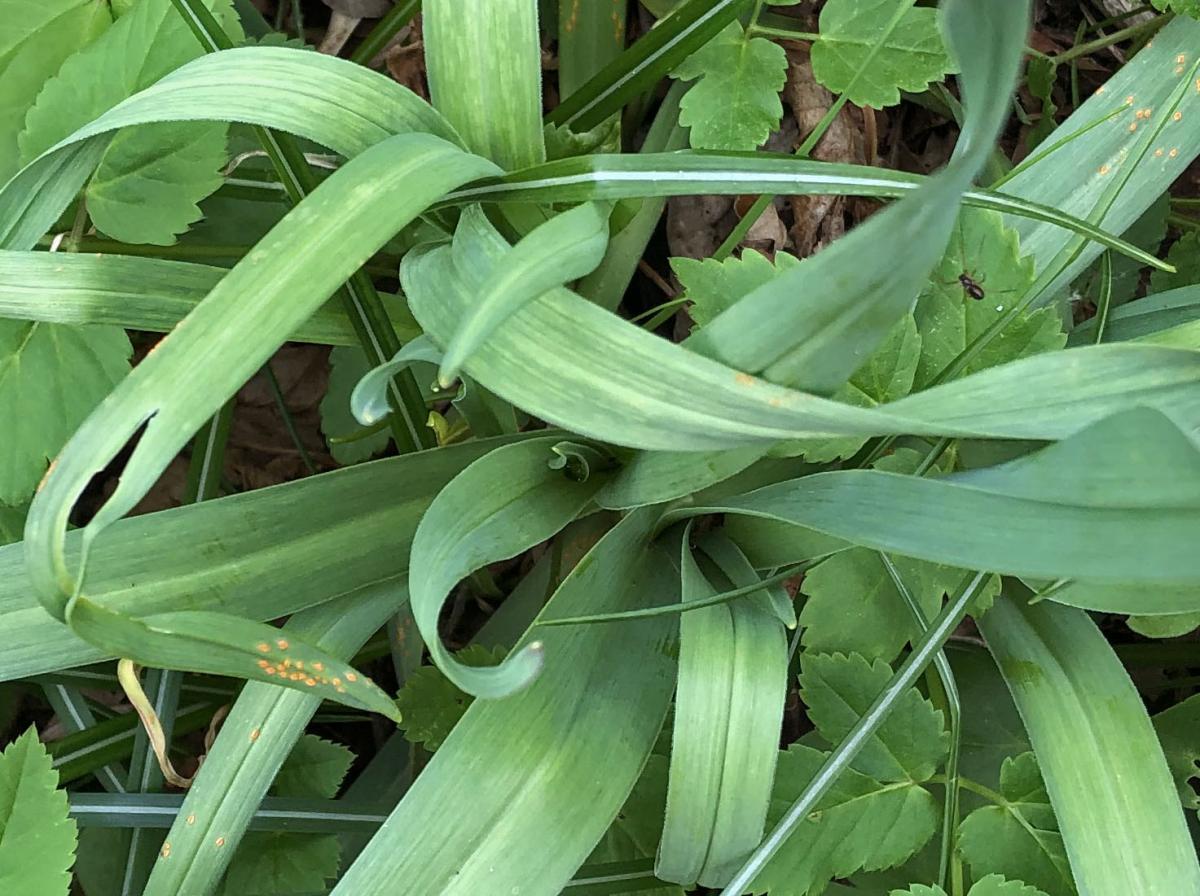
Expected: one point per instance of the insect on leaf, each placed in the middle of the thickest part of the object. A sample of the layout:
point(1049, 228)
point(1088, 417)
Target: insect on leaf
point(735, 103)
point(37, 838)
point(985, 251)
point(911, 56)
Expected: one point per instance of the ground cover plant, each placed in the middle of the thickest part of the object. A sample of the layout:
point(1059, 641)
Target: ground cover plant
point(720, 446)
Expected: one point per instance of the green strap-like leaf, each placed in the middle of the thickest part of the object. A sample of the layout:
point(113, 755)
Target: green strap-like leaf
point(504, 503)
point(814, 325)
point(355, 531)
point(220, 644)
point(1122, 497)
point(1108, 781)
point(163, 392)
point(732, 683)
point(645, 392)
point(733, 174)
point(255, 739)
point(327, 100)
point(138, 293)
point(484, 63)
point(562, 755)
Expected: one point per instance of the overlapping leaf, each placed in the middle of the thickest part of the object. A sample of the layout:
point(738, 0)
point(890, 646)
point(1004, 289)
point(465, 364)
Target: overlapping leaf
point(150, 179)
point(39, 35)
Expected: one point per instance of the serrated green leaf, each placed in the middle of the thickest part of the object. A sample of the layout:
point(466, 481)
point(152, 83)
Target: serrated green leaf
point(713, 286)
point(735, 102)
point(912, 54)
point(1183, 7)
point(853, 605)
point(861, 824)
point(347, 365)
point(1185, 256)
point(992, 885)
point(149, 180)
point(986, 251)
point(37, 838)
point(1020, 838)
point(431, 705)
point(313, 770)
point(1178, 731)
point(838, 688)
point(270, 863)
point(51, 377)
point(38, 36)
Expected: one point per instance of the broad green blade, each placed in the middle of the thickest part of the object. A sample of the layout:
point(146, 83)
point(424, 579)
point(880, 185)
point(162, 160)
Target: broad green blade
point(506, 502)
point(561, 250)
point(254, 741)
point(1102, 763)
point(1117, 153)
point(813, 326)
point(1122, 499)
point(484, 62)
point(221, 644)
point(139, 294)
point(732, 683)
point(562, 755)
point(736, 173)
point(312, 540)
point(645, 392)
point(327, 100)
point(293, 270)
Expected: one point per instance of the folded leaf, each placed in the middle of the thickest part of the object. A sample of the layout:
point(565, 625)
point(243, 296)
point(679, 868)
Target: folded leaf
point(505, 503)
